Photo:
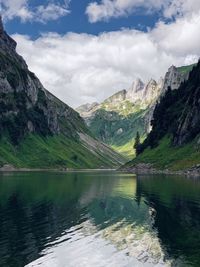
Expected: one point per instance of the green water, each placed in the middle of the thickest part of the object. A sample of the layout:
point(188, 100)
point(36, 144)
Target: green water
point(98, 219)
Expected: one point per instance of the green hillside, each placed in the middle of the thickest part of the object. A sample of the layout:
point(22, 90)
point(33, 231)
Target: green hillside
point(119, 130)
point(116, 120)
point(52, 152)
point(37, 130)
point(174, 142)
point(166, 156)
point(186, 69)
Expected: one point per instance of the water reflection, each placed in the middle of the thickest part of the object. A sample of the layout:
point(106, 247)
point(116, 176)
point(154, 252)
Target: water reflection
point(176, 201)
point(98, 219)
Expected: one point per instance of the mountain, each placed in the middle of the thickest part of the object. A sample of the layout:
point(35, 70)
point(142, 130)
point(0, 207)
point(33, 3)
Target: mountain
point(37, 129)
point(174, 140)
point(116, 120)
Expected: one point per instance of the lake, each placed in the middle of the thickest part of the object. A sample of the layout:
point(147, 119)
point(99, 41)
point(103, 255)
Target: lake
point(98, 219)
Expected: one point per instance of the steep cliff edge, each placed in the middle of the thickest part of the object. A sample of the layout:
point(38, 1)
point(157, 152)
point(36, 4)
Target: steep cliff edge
point(174, 140)
point(36, 128)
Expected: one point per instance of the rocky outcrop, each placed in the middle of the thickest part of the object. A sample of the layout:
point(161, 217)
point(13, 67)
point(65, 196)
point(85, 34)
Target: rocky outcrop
point(116, 98)
point(140, 93)
point(8, 46)
point(23, 98)
point(1, 26)
point(173, 78)
point(188, 119)
point(152, 92)
point(87, 107)
point(26, 107)
point(177, 116)
point(136, 91)
point(117, 119)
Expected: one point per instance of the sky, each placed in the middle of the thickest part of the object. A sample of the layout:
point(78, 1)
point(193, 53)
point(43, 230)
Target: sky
point(83, 51)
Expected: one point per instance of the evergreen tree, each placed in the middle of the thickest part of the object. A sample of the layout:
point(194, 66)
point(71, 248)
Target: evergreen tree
point(137, 143)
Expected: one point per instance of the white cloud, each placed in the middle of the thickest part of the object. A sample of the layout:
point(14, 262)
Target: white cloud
point(80, 68)
point(51, 12)
point(107, 9)
point(177, 8)
point(117, 8)
point(42, 13)
point(180, 38)
point(15, 8)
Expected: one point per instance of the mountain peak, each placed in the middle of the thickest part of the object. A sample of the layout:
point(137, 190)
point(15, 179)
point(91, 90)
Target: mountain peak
point(174, 78)
point(172, 68)
point(152, 82)
point(8, 46)
point(6, 42)
point(138, 85)
point(117, 97)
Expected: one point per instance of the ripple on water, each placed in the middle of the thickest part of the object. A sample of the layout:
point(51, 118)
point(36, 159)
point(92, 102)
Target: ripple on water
point(118, 245)
point(98, 220)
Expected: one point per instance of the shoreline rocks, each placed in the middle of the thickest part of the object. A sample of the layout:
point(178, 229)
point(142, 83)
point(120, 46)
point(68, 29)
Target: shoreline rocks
point(147, 168)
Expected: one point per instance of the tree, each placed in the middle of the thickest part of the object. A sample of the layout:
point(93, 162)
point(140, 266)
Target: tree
point(137, 144)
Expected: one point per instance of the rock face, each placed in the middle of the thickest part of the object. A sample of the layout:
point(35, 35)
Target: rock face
point(87, 107)
point(23, 98)
point(138, 94)
point(135, 93)
point(177, 114)
point(117, 119)
point(1, 25)
point(152, 92)
point(26, 107)
point(188, 123)
point(141, 93)
point(116, 98)
point(174, 78)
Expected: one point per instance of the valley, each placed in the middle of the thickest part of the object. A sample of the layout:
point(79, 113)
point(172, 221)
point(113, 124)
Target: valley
point(116, 120)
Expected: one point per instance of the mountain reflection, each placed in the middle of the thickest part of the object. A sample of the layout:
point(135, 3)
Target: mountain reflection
point(176, 201)
point(110, 219)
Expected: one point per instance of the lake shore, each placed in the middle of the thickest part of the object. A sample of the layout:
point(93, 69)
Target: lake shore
point(144, 168)
point(141, 168)
point(10, 168)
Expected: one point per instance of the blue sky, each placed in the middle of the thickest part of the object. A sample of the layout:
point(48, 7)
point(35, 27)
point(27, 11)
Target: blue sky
point(77, 21)
point(86, 50)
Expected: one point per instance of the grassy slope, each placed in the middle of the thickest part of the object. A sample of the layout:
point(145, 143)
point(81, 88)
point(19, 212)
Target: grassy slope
point(50, 152)
point(35, 151)
point(186, 69)
point(130, 123)
point(167, 157)
point(124, 145)
point(126, 150)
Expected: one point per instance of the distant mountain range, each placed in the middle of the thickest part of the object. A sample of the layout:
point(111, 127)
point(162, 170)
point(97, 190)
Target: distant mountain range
point(38, 130)
point(116, 120)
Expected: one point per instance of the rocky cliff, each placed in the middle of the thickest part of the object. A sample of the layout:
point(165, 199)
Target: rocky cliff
point(26, 106)
point(173, 78)
point(117, 119)
point(28, 109)
point(177, 113)
point(116, 98)
point(188, 96)
point(174, 142)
